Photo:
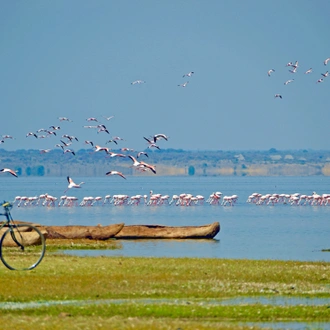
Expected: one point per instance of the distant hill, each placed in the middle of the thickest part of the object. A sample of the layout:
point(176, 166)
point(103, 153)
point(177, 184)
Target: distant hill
point(169, 162)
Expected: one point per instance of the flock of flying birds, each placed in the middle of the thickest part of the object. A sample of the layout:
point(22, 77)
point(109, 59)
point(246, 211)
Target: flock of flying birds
point(293, 69)
point(189, 74)
point(67, 140)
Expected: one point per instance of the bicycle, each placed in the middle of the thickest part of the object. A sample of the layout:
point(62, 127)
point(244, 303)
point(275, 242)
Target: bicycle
point(22, 245)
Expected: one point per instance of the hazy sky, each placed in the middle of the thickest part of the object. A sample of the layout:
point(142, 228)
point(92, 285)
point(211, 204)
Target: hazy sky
point(77, 59)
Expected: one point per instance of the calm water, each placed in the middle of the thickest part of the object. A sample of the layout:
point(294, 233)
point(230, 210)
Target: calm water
point(247, 231)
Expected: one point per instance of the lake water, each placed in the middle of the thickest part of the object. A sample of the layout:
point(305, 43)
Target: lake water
point(249, 231)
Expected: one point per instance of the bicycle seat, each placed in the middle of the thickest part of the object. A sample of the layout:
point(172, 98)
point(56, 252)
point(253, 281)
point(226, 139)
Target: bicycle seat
point(6, 205)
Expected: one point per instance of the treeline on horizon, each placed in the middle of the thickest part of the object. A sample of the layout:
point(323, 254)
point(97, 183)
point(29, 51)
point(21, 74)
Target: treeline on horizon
point(170, 162)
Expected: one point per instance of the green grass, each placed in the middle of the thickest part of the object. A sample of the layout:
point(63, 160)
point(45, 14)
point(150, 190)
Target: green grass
point(160, 293)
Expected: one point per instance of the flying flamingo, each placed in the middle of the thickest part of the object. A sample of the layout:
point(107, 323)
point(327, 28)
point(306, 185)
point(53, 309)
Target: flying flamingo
point(72, 184)
point(44, 151)
point(189, 74)
point(6, 136)
point(137, 82)
point(151, 144)
point(160, 136)
point(114, 141)
point(9, 171)
point(31, 133)
point(115, 173)
point(184, 84)
point(108, 118)
point(289, 81)
point(64, 119)
point(98, 148)
point(113, 154)
point(141, 153)
point(326, 61)
point(294, 70)
point(141, 165)
point(309, 71)
point(270, 72)
point(278, 95)
point(70, 151)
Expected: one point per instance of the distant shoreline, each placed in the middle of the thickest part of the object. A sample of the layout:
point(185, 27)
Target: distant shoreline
point(169, 162)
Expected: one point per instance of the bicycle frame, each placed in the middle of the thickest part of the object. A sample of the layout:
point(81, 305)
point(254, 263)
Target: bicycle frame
point(9, 218)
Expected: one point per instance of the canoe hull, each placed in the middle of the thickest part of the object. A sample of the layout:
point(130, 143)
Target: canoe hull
point(90, 232)
point(169, 232)
point(30, 238)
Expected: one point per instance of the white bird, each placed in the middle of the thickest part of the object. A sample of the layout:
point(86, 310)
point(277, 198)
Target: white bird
point(289, 64)
point(69, 151)
point(141, 153)
point(64, 119)
point(115, 173)
point(45, 151)
point(12, 172)
point(108, 118)
point(184, 84)
point(326, 74)
point(289, 81)
point(160, 136)
point(114, 141)
point(118, 138)
point(326, 61)
point(55, 128)
point(137, 82)
point(320, 80)
point(294, 70)
point(189, 74)
point(270, 72)
point(89, 126)
point(72, 184)
point(7, 137)
point(31, 133)
point(151, 144)
point(113, 154)
point(99, 148)
point(278, 95)
point(309, 71)
point(142, 165)
point(295, 65)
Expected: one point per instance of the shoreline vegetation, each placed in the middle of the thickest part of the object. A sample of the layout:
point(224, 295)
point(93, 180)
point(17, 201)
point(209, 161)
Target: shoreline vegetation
point(171, 162)
point(159, 293)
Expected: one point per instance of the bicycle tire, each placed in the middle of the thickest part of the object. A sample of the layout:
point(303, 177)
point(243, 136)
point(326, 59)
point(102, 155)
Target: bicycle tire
point(22, 247)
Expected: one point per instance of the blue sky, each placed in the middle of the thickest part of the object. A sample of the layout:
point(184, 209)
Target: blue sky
point(77, 59)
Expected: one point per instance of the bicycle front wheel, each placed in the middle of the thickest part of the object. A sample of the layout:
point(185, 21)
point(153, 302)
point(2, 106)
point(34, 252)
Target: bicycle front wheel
point(22, 247)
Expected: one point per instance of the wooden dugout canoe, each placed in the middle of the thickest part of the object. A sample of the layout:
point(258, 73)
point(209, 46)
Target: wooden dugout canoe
point(163, 232)
point(76, 231)
point(30, 238)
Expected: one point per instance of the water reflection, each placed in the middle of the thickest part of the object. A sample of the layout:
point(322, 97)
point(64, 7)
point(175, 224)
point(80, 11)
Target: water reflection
point(274, 301)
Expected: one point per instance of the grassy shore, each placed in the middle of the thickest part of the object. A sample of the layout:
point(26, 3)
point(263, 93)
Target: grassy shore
point(158, 293)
